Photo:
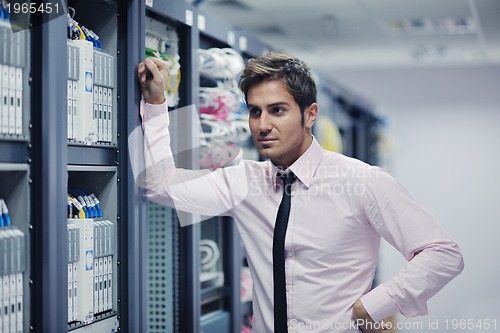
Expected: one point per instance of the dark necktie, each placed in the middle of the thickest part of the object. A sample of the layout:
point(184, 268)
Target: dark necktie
point(280, 315)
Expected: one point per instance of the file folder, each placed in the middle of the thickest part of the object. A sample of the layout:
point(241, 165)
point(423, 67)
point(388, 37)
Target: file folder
point(12, 98)
point(5, 99)
point(70, 272)
point(87, 127)
point(20, 267)
point(76, 253)
point(1, 99)
point(85, 270)
point(70, 109)
point(75, 110)
point(19, 102)
point(100, 108)
point(4, 280)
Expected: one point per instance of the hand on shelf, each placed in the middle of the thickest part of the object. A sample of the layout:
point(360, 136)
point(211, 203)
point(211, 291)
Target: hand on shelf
point(152, 73)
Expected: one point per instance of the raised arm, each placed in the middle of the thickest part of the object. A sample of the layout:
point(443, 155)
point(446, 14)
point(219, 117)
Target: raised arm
point(197, 191)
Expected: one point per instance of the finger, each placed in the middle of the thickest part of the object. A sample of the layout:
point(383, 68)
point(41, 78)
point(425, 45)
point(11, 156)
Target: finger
point(143, 73)
point(152, 68)
point(141, 68)
point(161, 64)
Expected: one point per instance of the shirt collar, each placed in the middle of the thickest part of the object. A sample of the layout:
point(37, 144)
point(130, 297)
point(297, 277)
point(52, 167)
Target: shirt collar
point(304, 167)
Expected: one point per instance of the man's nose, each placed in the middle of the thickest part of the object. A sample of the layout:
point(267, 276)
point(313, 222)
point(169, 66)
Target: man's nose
point(265, 124)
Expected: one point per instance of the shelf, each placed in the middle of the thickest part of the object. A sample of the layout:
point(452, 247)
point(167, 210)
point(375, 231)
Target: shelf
point(100, 180)
point(91, 168)
point(92, 155)
point(211, 294)
point(216, 322)
point(14, 151)
point(107, 322)
point(6, 167)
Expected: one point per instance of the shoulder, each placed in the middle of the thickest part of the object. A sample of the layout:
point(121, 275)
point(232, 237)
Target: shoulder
point(339, 165)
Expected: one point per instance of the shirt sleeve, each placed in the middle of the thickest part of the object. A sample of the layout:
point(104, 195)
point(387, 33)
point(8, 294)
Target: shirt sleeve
point(205, 192)
point(433, 257)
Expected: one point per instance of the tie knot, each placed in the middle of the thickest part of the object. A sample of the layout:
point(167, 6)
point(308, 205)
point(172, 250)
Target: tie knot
point(288, 178)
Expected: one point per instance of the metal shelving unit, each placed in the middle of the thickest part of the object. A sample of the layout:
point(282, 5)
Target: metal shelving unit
point(15, 174)
point(102, 169)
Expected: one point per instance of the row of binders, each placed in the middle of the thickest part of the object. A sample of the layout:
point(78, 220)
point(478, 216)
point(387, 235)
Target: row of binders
point(12, 267)
point(90, 93)
point(90, 268)
point(12, 63)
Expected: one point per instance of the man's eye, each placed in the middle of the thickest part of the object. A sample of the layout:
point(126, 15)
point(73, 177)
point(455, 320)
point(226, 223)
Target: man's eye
point(278, 110)
point(255, 112)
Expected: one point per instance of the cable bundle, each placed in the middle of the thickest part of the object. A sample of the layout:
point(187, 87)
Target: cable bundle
point(211, 252)
point(79, 32)
point(4, 214)
point(211, 275)
point(83, 205)
point(166, 48)
point(4, 13)
point(217, 154)
point(218, 63)
point(224, 116)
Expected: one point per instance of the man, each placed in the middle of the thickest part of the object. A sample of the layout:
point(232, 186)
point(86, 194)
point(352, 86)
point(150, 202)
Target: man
point(312, 246)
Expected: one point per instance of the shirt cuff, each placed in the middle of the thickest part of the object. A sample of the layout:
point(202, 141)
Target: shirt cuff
point(150, 111)
point(379, 304)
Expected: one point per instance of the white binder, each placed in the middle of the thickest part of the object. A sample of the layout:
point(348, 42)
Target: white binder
point(87, 125)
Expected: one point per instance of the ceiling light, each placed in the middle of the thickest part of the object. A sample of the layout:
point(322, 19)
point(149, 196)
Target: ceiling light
point(429, 26)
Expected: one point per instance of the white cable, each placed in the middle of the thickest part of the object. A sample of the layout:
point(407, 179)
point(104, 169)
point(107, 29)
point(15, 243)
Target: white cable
point(213, 254)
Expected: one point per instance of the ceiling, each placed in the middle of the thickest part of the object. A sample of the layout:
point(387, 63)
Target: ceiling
point(332, 35)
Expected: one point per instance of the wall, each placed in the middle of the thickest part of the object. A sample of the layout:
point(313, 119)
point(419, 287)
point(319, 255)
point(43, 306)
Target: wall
point(445, 129)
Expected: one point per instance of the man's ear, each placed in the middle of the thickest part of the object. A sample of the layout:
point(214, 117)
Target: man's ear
point(310, 114)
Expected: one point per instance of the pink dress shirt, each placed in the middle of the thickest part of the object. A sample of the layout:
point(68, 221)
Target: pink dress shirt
point(340, 209)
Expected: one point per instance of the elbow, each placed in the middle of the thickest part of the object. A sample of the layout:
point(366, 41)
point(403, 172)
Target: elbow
point(455, 260)
point(459, 262)
point(449, 258)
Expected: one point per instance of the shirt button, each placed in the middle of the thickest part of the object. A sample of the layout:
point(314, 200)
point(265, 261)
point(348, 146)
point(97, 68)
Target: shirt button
point(288, 288)
point(292, 193)
point(290, 254)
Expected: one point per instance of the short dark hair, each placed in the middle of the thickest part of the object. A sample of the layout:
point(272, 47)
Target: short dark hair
point(291, 71)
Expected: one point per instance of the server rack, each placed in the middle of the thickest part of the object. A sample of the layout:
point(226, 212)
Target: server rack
point(60, 163)
point(214, 291)
point(15, 177)
point(184, 313)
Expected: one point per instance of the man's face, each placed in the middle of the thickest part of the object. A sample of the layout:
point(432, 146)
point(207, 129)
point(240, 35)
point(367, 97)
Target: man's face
point(275, 123)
